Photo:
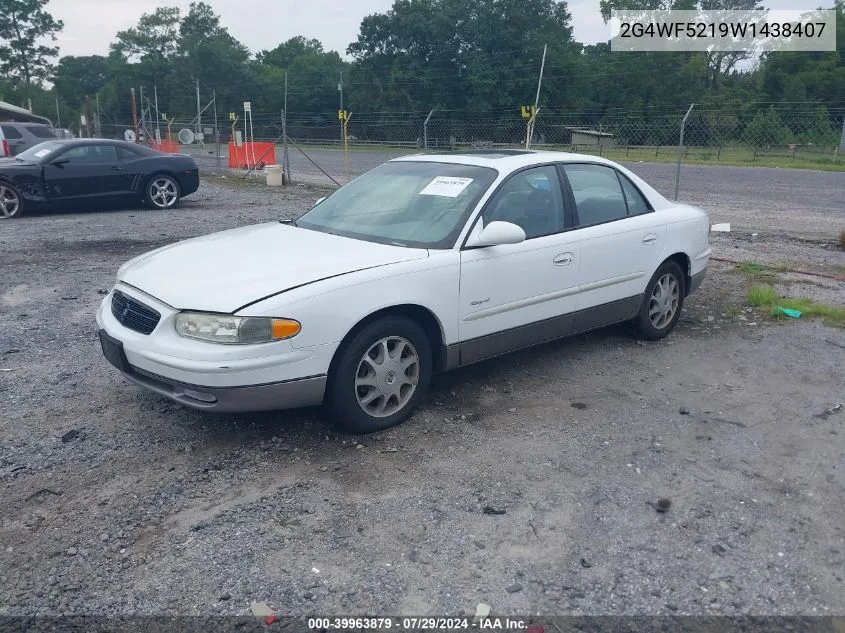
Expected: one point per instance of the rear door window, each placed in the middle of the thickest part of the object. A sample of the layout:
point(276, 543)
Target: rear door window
point(10, 132)
point(40, 131)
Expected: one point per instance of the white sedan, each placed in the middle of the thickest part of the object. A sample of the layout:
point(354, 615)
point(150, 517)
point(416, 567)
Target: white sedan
point(421, 265)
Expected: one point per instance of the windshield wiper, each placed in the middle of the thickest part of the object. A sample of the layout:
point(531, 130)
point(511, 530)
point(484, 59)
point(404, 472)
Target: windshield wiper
point(290, 222)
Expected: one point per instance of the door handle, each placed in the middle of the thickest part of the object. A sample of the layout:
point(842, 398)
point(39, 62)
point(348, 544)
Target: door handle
point(116, 168)
point(651, 238)
point(563, 259)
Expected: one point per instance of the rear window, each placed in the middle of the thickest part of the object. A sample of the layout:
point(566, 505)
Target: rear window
point(41, 131)
point(10, 132)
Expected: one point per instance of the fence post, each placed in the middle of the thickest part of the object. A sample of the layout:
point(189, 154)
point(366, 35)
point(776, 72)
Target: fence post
point(680, 150)
point(425, 130)
point(216, 129)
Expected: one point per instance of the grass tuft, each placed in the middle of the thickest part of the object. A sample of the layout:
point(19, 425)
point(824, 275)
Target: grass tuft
point(765, 296)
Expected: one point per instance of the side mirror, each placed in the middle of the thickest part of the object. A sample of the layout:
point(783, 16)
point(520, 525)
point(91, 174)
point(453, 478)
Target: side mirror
point(498, 233)
point(319, 201)
point(60, 162)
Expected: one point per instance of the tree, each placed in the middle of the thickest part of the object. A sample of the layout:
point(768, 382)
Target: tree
point(22, 24)
point(155, 39)
point(313, 75)
point(462, 54)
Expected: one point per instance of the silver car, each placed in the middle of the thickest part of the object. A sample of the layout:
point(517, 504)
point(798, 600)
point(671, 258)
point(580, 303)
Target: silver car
point(21, 136)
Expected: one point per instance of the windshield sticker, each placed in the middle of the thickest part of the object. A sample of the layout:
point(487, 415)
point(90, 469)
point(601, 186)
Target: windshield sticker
point(447, 186)
point(42, 153)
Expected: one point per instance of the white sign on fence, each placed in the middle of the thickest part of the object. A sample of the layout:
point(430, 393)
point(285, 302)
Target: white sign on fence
point(247, 106)
point(239, 141)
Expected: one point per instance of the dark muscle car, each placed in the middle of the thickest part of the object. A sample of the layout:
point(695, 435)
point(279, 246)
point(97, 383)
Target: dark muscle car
point(82, 170)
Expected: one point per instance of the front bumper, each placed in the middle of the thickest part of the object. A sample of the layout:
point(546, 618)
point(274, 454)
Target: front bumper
point(212, 377)
point(290, 394)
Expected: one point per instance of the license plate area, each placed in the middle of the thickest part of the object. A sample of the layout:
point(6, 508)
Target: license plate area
point(113, 351)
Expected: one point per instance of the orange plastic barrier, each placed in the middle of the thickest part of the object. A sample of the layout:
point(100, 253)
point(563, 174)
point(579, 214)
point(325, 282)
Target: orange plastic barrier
point(251, 155)
point(168, 147)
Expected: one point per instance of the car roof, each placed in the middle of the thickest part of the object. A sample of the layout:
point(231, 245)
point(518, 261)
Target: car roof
point(27, 123)
point(506, 160)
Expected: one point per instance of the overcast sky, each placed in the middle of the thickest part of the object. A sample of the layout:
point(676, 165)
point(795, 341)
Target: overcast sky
point(263, 24)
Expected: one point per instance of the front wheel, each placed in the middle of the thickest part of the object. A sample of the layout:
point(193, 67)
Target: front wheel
point(381, 376)
point(664, 299)
point(11, 202)
point(162, 192)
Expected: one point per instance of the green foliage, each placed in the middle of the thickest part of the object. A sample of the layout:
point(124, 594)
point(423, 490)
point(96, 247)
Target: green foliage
point(24, 24)
point(767, 129)
point(470, 60)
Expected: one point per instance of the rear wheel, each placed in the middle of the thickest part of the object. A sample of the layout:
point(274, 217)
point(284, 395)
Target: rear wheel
point(11, 202)
point(664, 299)
point(162, 192)
point(380, 376)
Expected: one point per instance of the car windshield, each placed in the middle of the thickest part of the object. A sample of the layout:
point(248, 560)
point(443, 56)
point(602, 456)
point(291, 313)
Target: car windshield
point(39, 152)
point(406, 203)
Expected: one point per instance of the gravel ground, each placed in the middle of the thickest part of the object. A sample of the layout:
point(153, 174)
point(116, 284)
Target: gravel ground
point(532, 482)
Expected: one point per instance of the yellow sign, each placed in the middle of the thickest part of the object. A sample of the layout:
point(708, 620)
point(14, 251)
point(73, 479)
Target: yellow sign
point(528, 111)
point(164, 116)
point(232, 116)
point(342, 114)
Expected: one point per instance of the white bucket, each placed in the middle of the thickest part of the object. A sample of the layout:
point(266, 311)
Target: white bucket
point(275, 175)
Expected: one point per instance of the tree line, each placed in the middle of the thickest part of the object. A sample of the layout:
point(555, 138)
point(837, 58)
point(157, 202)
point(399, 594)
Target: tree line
point(463, 58)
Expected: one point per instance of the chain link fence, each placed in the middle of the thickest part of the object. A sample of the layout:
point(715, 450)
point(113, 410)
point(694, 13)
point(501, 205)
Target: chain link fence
point(318, 153)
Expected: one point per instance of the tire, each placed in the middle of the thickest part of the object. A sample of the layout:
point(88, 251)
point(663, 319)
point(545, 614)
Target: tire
point(11, 202)
point(662, 302)
point(162, 192)
point(364, 397)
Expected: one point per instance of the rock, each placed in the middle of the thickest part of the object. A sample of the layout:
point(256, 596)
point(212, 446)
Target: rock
point(491, 510)
point(671, 606)
point(662, 506)
point(479, 544)
point(514, 588)
point(71, 551)
point(684, 410)
point(577, 405)
point(70, 436)
point(414, 556)
point(719, 549)
point(225, 596)
point(585, 564)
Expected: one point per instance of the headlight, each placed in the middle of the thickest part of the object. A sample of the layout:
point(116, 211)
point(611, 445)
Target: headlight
point(233, 330)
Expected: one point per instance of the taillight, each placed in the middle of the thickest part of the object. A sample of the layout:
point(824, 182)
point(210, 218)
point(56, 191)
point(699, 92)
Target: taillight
point(5, 147)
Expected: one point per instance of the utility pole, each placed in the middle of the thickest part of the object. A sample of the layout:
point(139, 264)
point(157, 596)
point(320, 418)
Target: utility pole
point(58, 113)
point(340, 89)
point(143, 118)
point(98, 128)
point(529, 133)
point(216, 130)
point(158, 114)
point(199, 110)
point(134, 114)
point(285, 158)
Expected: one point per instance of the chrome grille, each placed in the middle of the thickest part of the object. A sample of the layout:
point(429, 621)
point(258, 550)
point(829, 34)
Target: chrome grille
point(133, 314)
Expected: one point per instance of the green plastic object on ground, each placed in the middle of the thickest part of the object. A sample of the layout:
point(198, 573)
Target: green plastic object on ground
point(795, 314)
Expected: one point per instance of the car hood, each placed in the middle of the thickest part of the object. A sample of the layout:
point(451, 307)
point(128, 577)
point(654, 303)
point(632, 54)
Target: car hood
point(12, 162)
point(225, 271)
